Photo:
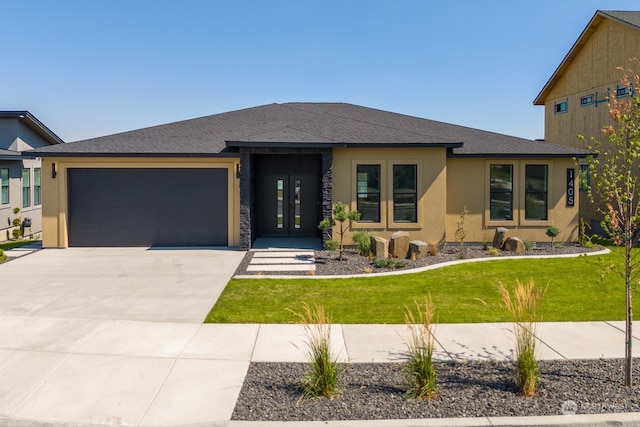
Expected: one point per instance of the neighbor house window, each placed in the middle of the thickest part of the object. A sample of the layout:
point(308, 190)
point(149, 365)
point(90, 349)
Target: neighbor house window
point(586, 100)
point(405, 193)
point(37, 182)
point(26, 188)
point(585, 177)
point(623, 91)
point(4, 182)
point(501, 192)
point(368, 192)
point(560, 107)
point(535, 192)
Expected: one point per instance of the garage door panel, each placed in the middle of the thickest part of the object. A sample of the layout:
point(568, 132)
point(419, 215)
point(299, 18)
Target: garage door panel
point(148, 207)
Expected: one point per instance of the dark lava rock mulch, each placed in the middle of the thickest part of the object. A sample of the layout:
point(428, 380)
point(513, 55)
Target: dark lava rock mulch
point(328, 263)
point(371, 391)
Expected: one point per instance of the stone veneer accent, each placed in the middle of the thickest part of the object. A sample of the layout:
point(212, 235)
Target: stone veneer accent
point(248, 194)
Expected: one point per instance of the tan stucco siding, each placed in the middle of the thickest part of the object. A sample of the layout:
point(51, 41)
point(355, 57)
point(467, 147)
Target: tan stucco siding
point(55, 197)
point(468, 186)
point(431, 191)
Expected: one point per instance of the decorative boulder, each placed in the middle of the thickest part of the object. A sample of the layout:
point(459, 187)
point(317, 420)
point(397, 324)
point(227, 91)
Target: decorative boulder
point(418, 249)
point(379, 247)
point(498, 238)
point(513, 244)
point(399, 244)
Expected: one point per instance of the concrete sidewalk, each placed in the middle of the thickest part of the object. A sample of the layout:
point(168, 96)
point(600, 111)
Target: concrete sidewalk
point(134, 373)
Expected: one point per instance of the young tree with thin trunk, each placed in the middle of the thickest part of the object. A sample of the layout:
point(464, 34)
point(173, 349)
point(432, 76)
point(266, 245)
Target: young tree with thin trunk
point(615, 186)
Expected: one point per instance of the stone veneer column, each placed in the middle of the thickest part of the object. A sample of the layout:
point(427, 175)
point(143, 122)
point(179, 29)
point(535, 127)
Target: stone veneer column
point(246, 198)
point(327, 188)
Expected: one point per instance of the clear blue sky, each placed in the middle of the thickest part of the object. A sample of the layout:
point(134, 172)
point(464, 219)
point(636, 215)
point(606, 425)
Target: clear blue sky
point(88, 68)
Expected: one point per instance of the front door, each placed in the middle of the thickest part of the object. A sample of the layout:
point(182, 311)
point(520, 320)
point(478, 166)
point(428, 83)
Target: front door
point(289, 205)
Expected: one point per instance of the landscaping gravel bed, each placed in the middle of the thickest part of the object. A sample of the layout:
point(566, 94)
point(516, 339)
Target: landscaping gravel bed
point(370, 391)
point(328, 263)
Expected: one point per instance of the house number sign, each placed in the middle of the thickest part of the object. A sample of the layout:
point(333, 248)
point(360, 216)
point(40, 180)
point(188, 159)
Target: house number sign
point(571, 187)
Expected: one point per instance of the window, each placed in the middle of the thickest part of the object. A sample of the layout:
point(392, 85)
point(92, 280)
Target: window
point(37, 182)
point(501, 192)
point(623, 91)
point(586, 100)
point(535, 192)
point(4, 182)
point(368, 192)
point(560, 107)
point(405, 194)
point(26, 188)
point(585, 177)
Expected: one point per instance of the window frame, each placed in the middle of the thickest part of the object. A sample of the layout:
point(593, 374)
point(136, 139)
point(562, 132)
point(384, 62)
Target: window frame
point(37, 186)
point(526, 192)
point(493, 191)
point(368, 190)
point(587, 100)
point(561, 107)
point(4, 186)
point(26, 189)
point(398, 193)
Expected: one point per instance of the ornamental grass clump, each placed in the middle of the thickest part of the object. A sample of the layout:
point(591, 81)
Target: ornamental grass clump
point(322, 378)
point(419, 372)
point(522, 302)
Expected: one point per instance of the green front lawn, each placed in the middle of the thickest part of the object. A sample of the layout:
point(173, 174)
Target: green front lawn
point(464, 293)
point(5, 246)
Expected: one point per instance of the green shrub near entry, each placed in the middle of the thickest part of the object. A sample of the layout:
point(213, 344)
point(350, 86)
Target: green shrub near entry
point(3, 256)
point(362, 239)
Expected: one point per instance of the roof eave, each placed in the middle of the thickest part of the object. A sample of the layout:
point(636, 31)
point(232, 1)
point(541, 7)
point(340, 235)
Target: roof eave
point(33, 123)
point(253, 144)
point(519, 156)
point(135, 155)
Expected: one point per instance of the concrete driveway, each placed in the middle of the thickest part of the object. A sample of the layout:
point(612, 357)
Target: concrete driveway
point(158, 285)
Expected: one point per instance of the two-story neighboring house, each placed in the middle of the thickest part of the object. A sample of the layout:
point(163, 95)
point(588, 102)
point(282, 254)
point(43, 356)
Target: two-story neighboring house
point(21, 174)
point(575, 97)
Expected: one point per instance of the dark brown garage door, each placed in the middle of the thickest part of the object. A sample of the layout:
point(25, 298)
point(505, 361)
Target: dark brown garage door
point(148, 207)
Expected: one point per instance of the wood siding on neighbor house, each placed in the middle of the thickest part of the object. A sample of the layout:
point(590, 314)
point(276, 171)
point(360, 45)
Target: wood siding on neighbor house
point(593, 71)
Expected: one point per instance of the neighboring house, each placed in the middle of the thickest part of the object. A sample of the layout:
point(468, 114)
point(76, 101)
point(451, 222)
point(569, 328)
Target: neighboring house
point(575, 97)
point(20, 174)
point(276, 170)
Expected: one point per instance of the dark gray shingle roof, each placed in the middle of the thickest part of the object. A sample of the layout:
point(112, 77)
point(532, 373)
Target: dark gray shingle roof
point(304, 124)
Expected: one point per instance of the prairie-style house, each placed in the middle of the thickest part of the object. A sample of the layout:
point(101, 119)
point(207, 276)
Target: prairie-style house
point(276, 170)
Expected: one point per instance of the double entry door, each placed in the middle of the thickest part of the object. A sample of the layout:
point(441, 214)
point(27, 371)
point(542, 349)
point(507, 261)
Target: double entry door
point(289, 205)
point(289, 201)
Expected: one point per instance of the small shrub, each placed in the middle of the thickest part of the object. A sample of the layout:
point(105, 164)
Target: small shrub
point(552, 231)
point(324, 371)
point(522, 303)
point(419, 372)
point(3, 256)
point(367, 270)
point(528, 244)
point(485, 240)
point(461, 232)
point(362, 239)
point(390, 263)
point(331, 245)
point(558, 245)
point(340, 215)
point(493, 252)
